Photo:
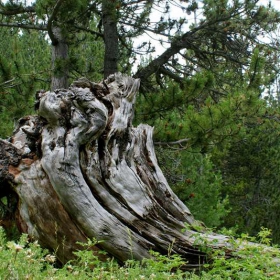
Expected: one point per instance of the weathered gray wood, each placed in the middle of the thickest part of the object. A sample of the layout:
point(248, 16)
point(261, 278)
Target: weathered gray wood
point(84, 171)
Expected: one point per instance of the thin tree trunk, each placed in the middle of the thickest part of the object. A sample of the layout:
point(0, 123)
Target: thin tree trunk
point(59, 60)
point(109, 19)
point(81, 170)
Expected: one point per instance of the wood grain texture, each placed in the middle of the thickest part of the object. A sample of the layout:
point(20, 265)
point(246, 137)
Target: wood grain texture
point(82, 170)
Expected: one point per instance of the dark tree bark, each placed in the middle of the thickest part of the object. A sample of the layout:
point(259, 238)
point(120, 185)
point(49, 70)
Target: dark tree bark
point(81, 170)
point(59, 50)
point(60, 67)
point(59, 60)
point(111, 42)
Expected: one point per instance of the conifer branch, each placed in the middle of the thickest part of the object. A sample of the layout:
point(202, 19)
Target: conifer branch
point(98, 34)
point(51, 21)
point(16, 11)
point(24, 26)
point(172, 75)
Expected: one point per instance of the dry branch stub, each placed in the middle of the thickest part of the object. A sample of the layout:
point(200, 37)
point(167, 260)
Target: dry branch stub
point(85, 171)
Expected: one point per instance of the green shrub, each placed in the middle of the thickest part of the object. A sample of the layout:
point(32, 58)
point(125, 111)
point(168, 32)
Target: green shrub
point(24, 259)
point(27, 260)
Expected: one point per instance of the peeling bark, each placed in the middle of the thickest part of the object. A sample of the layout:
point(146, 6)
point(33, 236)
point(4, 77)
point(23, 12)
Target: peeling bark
point(81, 170)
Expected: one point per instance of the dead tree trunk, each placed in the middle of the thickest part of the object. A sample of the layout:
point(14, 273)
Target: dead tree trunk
point(81, 170)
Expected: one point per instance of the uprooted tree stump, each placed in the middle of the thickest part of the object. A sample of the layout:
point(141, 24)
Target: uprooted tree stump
point(81, 170)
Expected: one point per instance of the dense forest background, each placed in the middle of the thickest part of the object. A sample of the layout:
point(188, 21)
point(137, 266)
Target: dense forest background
point(212, 94)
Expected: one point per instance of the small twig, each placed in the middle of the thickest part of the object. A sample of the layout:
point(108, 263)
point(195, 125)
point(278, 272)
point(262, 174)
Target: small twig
point(179, 142)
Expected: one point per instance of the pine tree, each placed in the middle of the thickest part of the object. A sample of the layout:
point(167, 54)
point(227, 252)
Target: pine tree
point(24, 68)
